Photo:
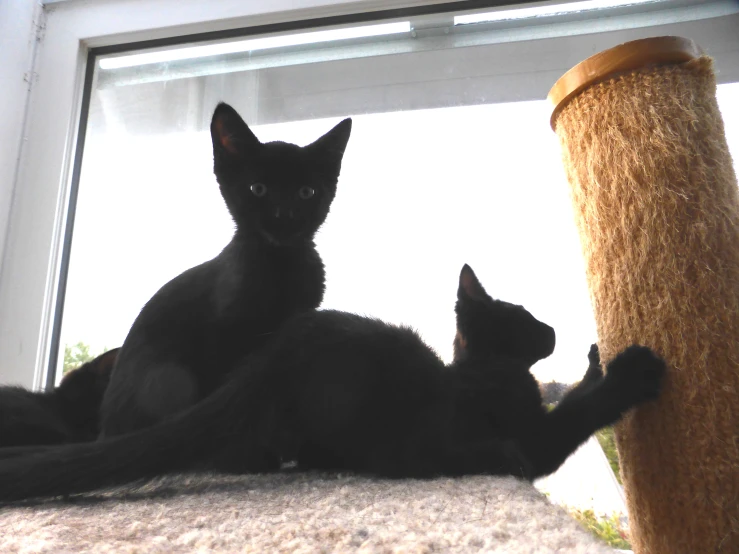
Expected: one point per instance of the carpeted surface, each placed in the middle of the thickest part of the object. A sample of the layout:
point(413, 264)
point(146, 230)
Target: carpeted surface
point(296, 512)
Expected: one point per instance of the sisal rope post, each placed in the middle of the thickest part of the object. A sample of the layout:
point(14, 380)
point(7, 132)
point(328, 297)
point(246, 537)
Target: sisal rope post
point(657, 207)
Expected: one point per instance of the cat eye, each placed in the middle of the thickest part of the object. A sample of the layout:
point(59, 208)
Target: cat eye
point(258, 190)
point(306, 192)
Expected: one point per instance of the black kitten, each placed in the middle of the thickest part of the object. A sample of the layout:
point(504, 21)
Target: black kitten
point(354, 393)
point(69, 413)
point(195, 327)
point(545, 437)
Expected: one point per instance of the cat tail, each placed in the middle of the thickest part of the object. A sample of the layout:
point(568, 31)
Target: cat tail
point(29, 418)
point(176, 444)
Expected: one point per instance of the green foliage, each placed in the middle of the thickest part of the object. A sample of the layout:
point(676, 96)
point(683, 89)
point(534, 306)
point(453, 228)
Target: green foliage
point(606, 529)
point(76, 355)
point(608, 443)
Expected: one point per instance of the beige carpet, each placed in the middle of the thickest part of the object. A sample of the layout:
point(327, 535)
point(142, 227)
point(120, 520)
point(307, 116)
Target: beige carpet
point(294, 512)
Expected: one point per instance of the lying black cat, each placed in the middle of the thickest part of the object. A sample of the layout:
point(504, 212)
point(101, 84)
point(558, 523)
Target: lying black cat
point(335, 390)
point(198, 325)
point(69, 413)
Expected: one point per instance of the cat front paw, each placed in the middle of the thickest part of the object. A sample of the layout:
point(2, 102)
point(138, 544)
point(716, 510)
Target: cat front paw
point(594, 355)
point(638, 372)
point(594, 372)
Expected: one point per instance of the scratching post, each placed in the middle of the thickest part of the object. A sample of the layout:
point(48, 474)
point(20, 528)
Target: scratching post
point(656, 203)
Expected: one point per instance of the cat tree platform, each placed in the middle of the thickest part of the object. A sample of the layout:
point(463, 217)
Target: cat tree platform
point(296, 512)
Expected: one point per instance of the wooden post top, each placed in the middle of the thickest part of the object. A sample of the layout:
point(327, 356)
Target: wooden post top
point(628, 56)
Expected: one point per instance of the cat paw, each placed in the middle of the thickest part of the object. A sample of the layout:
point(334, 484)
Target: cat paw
point(638, 371)
point(594, 372)
point(594, 355)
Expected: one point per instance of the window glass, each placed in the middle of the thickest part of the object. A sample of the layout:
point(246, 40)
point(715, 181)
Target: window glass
point(433, 178)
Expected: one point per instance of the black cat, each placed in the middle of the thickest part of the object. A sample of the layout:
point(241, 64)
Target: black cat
point(334, 390)
point(193, 330)
point(68, 413)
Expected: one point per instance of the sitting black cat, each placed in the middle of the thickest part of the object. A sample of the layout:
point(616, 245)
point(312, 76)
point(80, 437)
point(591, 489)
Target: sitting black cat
point(193, 330)
point(338, 390)
point(68, 413)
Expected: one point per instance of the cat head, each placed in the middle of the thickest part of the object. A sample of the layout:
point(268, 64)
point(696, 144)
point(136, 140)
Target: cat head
point(488, 327)
point(276, 191)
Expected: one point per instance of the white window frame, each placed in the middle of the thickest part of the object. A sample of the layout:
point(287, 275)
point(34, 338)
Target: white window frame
point(35, 190)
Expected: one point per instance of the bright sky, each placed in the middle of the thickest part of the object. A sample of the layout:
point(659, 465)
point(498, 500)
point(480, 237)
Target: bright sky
point(420, 194)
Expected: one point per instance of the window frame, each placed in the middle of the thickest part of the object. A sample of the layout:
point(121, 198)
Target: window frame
point(72, 33)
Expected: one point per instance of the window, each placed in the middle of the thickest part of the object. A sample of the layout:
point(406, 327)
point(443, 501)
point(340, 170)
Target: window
point(451, 161)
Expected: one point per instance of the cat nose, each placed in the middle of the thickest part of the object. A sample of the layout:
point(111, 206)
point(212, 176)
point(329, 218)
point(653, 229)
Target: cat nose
point(279, 213)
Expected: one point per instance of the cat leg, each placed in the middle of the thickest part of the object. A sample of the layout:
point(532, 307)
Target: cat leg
point(451, 457)
point(633, 377)
point(487, 457)
point(312, 457)
point(593, 376)
point(240, 456)
point(20, 451)
point(163, 391)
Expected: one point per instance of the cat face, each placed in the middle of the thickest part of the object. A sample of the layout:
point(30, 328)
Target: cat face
point(276, 191)
point(488, 327)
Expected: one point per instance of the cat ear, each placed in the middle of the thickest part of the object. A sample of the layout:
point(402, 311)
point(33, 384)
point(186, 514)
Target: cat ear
point(334, 142)
point(469, 286)
point(104, 363)
point(460, 346)
point(230, 134)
